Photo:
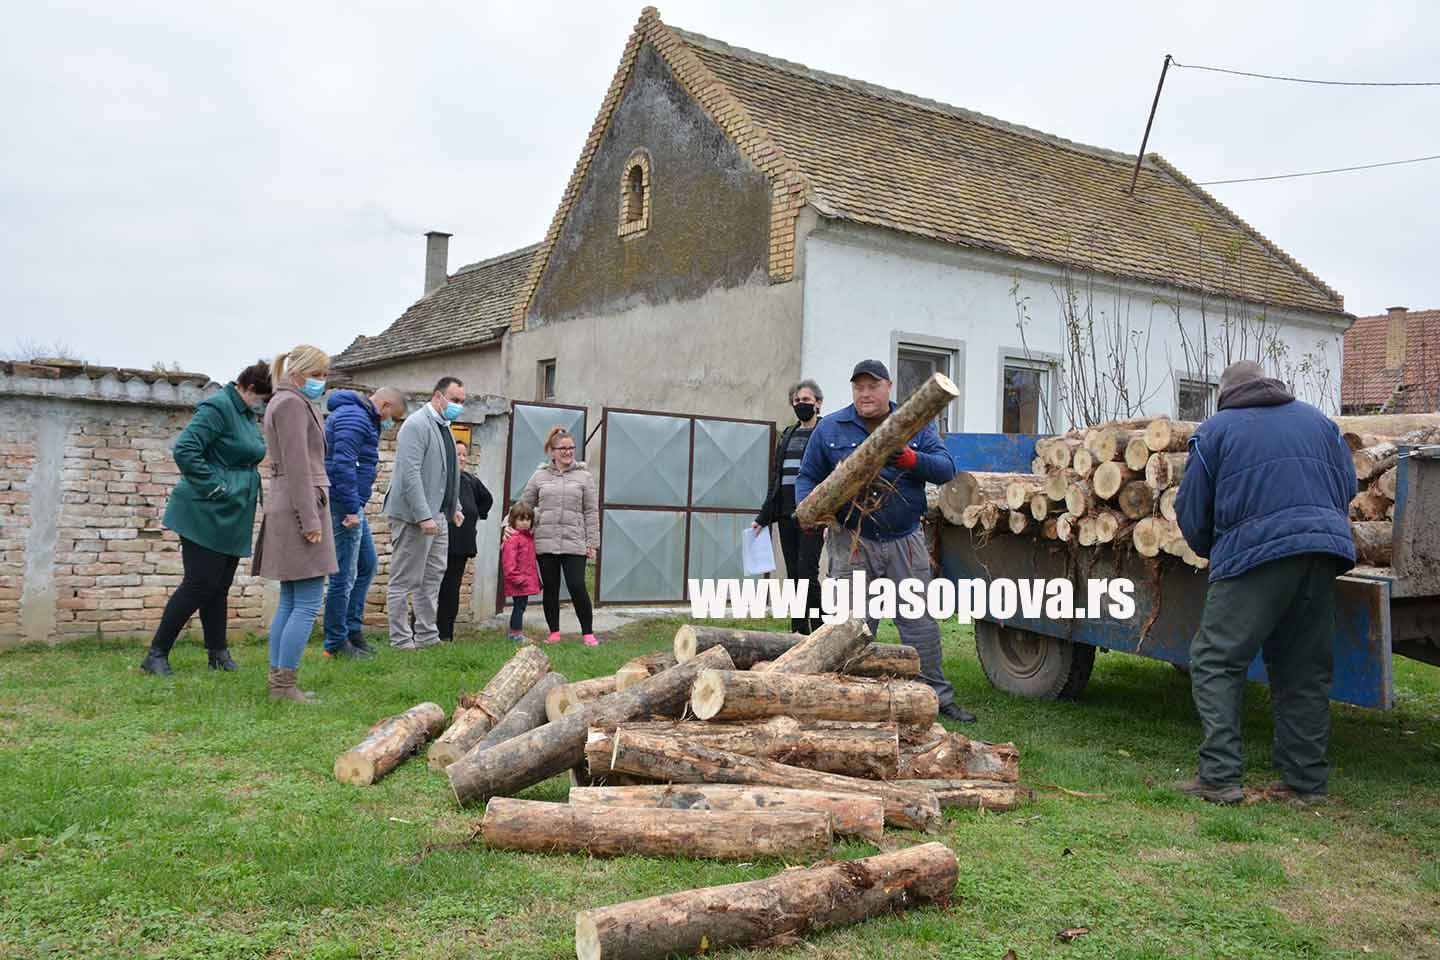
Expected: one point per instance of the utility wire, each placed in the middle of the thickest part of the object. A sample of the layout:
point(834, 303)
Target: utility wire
point(1316, 173)
point(1326, 83)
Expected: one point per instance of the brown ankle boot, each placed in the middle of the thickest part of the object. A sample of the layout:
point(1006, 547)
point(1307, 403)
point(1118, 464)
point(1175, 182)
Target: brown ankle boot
point(282, 686)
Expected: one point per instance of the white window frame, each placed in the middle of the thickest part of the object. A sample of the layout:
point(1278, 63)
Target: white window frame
point(1181, 378)
point(952, 351)
point(1049, 363)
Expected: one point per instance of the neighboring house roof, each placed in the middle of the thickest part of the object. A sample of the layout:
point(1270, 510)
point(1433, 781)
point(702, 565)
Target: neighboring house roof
point(870, 155)
point(471, 309)
point(1412, 387)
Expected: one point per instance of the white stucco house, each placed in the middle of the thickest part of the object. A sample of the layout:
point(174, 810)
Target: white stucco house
point(735, 222)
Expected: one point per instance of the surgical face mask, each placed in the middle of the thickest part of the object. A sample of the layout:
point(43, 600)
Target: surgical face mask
point(452, 410)
point(386, 424)
point(804, 411)
point(313, 388)
point(258, 408)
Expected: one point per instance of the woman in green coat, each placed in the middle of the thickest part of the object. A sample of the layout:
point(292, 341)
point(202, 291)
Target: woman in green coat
point(212, 508)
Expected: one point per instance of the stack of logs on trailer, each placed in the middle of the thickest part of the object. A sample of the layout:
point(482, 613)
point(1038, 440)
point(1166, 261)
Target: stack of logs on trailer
point(1117, 483)
point(737, 745)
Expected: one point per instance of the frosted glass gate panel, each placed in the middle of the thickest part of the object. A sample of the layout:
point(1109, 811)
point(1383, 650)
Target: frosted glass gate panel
point(732, 463)
point(715, 545)
point(644, 556)
point(530, 423)
point(647, 459)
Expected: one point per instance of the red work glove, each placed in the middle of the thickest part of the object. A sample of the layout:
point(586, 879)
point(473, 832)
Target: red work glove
point(905, 459)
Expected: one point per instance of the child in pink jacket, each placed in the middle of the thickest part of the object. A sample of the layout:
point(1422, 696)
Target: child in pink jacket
point(517, 561)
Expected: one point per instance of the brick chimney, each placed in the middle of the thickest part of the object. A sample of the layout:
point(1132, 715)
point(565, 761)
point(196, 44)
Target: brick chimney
point(437, 260)
point(1395, 337)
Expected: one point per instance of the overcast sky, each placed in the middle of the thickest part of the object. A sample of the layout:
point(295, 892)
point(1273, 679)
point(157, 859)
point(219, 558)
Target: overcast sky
point(208, 183)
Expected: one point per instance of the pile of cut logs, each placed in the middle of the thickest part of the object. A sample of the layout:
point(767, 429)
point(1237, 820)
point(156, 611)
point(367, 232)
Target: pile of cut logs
point(1116, 483)
point(736, 745)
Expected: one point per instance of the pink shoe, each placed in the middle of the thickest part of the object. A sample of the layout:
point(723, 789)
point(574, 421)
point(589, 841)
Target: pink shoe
point(590, 640)
point(553, 638)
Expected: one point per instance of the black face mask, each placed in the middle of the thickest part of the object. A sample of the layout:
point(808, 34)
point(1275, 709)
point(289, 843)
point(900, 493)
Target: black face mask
point(804, 411)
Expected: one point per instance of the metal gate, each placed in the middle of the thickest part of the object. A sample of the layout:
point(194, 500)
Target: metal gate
point(676, 492)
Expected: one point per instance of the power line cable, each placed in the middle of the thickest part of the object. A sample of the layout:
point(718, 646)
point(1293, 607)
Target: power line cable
point(1327, 83)
point(1316, 173)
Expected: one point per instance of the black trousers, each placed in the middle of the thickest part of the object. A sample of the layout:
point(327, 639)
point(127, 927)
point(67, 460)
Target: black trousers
point(572, 565)
point(449, 604)
point(206, 588)
point(802, 562)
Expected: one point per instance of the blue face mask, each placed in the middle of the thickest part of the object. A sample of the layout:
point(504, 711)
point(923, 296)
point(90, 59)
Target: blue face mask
point(386, 424)
point(258, 409)
point(453, 410)
point(313, 388)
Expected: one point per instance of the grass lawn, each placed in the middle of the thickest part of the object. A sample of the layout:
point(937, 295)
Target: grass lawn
point(193, 818)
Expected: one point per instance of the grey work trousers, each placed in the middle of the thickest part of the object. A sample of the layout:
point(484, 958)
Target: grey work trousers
point(1285, 611)
point(897, 560)
point(417, 567)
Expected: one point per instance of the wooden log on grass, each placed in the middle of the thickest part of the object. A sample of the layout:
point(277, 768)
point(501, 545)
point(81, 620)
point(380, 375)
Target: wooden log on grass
point(563, 700)
point(528, 714)
point(747, 695)
point(827, 649)
point(389, 743)
point(1163, 435)
point(539, 827)
point(675, 760)
point(1110, 478)
point(946, 755)
point(558, 746)
point(969, 794)
point(791, 903)
point(850, 814)
point(748, 648)
point(852, 475)
point(867, 750)
point(510, 683)
point(1373, 541)
point(642, 668)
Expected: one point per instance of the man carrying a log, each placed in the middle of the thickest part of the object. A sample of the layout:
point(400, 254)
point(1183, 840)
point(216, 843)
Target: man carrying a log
point(1266, 497)
point(879, 532)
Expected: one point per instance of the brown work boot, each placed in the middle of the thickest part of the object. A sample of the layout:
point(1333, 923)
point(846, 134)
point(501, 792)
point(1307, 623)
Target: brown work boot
point(282, 686)
point(1281, 792)
point(1212, 792)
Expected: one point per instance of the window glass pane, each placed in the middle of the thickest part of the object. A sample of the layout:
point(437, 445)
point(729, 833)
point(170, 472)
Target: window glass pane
point(1024, 390)
point(1193, 401)
point(912, 369)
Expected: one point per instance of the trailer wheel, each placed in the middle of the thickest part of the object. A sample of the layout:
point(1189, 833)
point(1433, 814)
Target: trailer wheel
point(1031, 664)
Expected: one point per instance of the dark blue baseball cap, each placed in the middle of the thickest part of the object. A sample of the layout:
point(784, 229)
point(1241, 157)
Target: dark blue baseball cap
point(874, 368)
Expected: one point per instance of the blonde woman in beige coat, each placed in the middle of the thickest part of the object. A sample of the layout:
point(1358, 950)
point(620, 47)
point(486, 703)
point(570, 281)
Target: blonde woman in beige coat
point(296, 544)
point(567, 529)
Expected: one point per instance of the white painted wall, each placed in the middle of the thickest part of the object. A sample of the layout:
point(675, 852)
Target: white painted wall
point(865, 288)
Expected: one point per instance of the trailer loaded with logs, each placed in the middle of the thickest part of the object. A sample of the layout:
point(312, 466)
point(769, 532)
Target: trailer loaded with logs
point(1100, 504)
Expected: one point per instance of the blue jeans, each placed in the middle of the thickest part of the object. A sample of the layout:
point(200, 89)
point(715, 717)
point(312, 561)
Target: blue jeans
point(345, 595)
point(294, 617)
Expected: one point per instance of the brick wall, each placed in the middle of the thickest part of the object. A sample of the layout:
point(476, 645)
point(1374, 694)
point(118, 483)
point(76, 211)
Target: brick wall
point(85, 473)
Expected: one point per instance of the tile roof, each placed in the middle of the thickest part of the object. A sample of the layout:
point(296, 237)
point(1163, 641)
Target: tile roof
point(1367, 382)
point(881, 157)
point(471, 309)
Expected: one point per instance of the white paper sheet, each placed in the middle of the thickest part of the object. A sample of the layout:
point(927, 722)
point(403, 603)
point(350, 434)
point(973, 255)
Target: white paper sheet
point(758, 555)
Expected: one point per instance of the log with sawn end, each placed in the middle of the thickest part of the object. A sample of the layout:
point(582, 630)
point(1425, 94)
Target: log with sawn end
point(970, 794)
point(642, 668)
point(827, 649)
point(954, 756)
point(747, 695)
point(563, 700)
point(528, 714)
point(388, 743)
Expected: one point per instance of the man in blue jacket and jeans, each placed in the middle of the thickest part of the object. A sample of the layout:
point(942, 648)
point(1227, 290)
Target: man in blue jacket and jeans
point(352, 451)
point(1266, 496)
point(886, 541)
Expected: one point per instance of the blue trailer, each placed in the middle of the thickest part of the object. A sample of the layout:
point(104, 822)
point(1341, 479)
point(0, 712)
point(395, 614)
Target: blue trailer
point(1381, 611)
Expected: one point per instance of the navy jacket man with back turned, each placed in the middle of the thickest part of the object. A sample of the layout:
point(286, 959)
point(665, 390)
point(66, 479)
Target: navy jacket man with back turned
point(1266, 496)
point(886, 541)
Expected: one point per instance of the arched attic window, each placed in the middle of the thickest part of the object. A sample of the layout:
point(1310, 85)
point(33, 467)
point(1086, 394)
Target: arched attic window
point(635, 186)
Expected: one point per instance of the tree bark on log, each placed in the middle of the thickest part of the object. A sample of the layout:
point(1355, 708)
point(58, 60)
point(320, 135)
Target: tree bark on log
point(1137, 500)
point(389, 743)
point(682, 761)
point(970, 794)
point(791, 903)
point(1373, 461)
point(989, 516)
point(562, 700)
point(885, 660)
point(827, 650)
point(510, 683)
point(1373, 541)
point(747, 695)
point(1169, 436)
point(557, 746)
point(857, 471)
point(467, 728)
point(538, 827)
point(953, 756)
point(870, 751)
point(1137, 453)
point(1388, 425)
point(1369, 504)
point(1165, 470)
point(1110, 478)
point(850, 814)
point(643, 668)
point(528, 714)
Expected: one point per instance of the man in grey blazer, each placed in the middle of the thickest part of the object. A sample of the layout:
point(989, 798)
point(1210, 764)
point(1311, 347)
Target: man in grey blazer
point(422, 499)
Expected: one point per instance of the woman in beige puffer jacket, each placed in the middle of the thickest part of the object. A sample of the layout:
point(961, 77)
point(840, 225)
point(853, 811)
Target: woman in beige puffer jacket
point(567, 529)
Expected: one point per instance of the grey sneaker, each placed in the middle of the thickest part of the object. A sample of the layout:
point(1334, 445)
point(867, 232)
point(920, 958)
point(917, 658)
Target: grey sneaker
point(1212, 792)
